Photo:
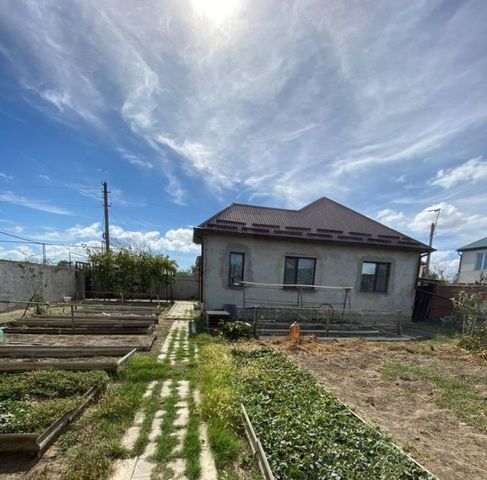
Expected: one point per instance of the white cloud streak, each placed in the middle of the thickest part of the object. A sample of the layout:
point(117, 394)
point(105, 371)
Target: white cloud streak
point(10, 197)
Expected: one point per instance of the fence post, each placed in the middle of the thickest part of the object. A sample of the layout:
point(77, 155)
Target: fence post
point(72, 317)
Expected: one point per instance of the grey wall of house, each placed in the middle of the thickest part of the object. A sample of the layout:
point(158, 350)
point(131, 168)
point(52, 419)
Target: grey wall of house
point(20, 280)
point(335, 266)
point(185, 287)
point(468, 274)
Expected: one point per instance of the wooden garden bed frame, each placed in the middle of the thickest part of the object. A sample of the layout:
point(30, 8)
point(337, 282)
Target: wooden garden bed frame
point(62, 351)
point(68, 321)
point(115, 329)
point(7, 366)
point(37, 443)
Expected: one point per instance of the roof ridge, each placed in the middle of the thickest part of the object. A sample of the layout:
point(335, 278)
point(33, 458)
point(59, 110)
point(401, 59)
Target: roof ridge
point(268, 208)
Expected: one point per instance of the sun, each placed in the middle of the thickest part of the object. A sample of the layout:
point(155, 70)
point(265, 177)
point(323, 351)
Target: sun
point(216, 10)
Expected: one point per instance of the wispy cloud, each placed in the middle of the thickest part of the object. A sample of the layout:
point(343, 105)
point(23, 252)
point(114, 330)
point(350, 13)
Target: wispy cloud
point(278, 87)
point(11, 197)
point(472, 171)
point(5, 176)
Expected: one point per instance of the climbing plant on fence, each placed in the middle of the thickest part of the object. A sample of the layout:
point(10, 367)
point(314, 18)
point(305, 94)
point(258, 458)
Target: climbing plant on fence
point(126, 271)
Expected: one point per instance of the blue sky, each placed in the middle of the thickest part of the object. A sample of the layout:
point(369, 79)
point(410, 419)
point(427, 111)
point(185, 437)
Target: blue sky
point(186, 106)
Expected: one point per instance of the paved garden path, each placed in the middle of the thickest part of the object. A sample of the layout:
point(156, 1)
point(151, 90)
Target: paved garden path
point(169, 424)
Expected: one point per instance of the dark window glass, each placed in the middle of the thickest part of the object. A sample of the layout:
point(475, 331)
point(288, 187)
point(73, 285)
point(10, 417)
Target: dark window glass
point(236, 270)
point(290, 267)
point(375, 277)
point(299, 271)
point(478, 261)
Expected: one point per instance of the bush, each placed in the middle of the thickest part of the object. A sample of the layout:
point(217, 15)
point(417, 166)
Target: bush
point(236, 330)
point(476, 342)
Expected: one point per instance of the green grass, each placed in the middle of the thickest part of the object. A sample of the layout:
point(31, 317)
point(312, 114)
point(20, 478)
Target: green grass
point(221, 410)
point(455, 394)
point(166, 442)
point(192, 445)
point(93, 444)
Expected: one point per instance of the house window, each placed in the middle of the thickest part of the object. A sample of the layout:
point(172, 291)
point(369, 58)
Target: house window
point(236, 270)
point(375, 277)
point(299, 271)
point(481, 261)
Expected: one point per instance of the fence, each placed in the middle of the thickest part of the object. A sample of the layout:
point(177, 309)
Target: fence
point(20, 281)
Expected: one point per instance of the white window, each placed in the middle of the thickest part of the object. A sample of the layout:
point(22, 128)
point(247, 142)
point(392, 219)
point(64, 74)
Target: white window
point(481, 261)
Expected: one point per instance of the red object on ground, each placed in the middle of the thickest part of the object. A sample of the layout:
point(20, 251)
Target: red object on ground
point(295, 332)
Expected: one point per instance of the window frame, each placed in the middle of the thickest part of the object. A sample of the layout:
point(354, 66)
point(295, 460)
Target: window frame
point(230, 284)
point(386, 290)
point(295, 284)
point(482, 263)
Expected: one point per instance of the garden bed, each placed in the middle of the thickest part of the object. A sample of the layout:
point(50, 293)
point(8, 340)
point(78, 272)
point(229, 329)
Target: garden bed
point(306, 432)
point(95, 362)
point(140, 342)
point(36, 406)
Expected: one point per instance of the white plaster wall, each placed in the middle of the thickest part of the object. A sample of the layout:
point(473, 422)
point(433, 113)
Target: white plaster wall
point(185, 287)
point(20, 280)
point(335, 266)
point(468, 274)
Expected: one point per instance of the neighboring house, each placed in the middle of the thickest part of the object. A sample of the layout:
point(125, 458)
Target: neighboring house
point(322, 244)
point(473, 262)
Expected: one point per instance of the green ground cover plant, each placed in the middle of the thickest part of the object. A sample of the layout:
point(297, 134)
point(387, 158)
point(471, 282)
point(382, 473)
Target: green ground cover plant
point(455, 394)
point(220, 408)
point(305, 431)
point(32, 401)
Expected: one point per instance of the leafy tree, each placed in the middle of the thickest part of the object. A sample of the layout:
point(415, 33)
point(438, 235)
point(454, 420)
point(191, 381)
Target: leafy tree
point(127, 271)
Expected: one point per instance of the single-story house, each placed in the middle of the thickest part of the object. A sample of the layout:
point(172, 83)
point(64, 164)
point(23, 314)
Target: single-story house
point(261, 255)
point(473, 262)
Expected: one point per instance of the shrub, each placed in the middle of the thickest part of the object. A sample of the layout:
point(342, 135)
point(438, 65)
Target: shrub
point(236, 330)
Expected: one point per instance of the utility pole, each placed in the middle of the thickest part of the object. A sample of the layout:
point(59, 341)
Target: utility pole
point(430, 243)
point(44, 256)
point(106, 234)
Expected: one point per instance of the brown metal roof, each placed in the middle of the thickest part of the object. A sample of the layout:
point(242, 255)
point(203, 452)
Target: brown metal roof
point(321, 221)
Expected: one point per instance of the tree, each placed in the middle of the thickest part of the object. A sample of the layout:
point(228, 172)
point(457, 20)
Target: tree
point(127, 271)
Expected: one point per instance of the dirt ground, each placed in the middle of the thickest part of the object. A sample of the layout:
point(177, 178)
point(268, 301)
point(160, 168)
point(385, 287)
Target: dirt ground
point(405, 408)
point(79, 340)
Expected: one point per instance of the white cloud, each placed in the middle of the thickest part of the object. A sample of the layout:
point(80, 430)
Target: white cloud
point(10, 197)
point(446, 262)
point(390, 217)
point(472, 171)
point(175, 240)
point(450, 220)
point(5, 176)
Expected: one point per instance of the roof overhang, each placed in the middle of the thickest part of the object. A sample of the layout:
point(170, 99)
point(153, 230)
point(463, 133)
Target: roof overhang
point(200, 232)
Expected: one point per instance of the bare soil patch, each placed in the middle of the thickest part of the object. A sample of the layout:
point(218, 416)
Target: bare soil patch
point(78, 340)
point(416, 410)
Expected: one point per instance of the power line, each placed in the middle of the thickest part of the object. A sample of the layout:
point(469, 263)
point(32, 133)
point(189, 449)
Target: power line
point(48, 243)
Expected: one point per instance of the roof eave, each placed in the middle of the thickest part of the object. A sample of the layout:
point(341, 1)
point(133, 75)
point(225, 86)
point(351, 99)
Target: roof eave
point(420, 248)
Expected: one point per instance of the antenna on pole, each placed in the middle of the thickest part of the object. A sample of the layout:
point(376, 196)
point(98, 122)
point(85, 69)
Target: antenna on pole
point(106, 233)
point(430, 243)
